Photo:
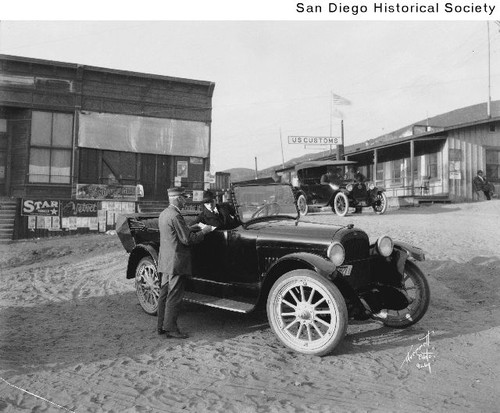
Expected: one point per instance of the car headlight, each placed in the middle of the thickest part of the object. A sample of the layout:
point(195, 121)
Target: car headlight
point(385, 246)
point(336, 253)
point(349, 187)
point(371, 185)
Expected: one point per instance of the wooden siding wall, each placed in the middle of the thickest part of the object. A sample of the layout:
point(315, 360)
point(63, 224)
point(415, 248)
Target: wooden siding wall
point(145, 97)
point(52, 87)
point(19, 128)
point(65, 88)
point(472, 142)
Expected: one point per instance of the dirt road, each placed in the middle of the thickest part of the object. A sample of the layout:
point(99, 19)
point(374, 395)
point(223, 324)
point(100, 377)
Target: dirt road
point(73, 337)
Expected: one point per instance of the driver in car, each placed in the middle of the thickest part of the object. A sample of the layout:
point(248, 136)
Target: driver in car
point(332, 176)
point(220, 216)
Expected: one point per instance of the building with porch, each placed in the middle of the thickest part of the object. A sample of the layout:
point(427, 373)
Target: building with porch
point(432, 160)
point(80, 144)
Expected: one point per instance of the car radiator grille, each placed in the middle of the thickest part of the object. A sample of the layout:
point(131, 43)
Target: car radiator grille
point(356, 249)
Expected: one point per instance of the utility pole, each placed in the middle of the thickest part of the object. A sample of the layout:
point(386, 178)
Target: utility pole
point(489, 71)
point(340, 147)
point(282, 155)
point(255, 167)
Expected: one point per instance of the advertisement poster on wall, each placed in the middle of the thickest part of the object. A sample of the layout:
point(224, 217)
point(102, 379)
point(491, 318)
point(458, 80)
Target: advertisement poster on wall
point(182, 169)
point(79, 208)
point(40, 207)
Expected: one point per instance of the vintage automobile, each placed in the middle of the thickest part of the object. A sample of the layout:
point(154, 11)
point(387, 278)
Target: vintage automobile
point(347, 192)
point(310, 278)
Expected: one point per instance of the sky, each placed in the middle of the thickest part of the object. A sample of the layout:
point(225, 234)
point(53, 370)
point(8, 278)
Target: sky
point(275, 78)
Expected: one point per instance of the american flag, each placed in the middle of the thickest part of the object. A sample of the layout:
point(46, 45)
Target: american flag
point(339, 100)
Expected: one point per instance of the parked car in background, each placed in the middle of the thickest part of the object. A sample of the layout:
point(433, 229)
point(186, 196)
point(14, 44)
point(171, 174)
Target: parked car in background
point(349, 191)
point(310, 278)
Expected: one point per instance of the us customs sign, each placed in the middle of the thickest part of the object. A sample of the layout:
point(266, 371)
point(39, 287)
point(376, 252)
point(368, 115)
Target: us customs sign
point(314, 140)
point(48, 208)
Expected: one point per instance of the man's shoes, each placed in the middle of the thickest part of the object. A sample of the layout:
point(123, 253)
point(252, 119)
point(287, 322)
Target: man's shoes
point(175, 334)
point(161, 331)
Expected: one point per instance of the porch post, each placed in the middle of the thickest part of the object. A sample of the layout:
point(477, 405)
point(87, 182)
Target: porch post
point(375, 156)
point(412, 161)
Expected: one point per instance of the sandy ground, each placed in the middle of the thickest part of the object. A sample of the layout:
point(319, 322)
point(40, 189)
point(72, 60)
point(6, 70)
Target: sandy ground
point(73, 337)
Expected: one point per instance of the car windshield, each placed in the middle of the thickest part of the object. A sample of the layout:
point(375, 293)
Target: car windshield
point(257, 201)
point(313, 175)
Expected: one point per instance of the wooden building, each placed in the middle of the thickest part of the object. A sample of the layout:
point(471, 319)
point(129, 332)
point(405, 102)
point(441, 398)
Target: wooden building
point(432, 160)
point(110, 139)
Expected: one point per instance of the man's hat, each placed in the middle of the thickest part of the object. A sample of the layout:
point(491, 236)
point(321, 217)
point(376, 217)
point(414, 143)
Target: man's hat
point(208, 196)
point(176, 191)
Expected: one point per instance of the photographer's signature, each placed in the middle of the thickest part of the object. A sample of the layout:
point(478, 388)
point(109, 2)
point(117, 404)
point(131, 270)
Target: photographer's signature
point(422, 354)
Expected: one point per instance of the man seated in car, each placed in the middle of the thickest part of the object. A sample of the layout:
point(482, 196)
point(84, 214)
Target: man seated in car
point(358, 176)
point(332, 176)
point(220, 216)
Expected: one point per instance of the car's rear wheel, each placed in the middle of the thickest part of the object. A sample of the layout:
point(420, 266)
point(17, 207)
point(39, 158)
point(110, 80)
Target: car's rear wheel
point(380, 203)
point(419, 295)
point(341, 204)
point(147, 285)
point(307, 312)
point(302, 205)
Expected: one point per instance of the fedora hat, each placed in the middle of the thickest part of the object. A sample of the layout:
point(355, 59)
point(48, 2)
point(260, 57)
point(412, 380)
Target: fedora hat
point(208, 196)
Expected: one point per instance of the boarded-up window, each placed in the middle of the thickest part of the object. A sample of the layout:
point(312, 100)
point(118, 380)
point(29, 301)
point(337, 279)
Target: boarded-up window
point(142, 134)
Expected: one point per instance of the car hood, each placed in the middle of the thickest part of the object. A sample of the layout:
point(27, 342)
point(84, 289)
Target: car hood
point(303, 231)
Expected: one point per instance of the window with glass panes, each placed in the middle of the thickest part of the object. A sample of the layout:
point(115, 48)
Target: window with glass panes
point(51, 147)
point(397, 166)
point(433, 165)
point(493, 165)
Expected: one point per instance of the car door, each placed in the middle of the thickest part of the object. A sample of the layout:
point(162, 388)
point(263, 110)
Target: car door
point(209, 258)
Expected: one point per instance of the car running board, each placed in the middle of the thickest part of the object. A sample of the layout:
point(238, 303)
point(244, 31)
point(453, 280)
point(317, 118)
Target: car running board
point(217, 302)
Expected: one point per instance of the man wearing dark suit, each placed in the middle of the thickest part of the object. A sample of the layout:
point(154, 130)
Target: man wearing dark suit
point(481, 184)
point(221, 216)
point(174, 261)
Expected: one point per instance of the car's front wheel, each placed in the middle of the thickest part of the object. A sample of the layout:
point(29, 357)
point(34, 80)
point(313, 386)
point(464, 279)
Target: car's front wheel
point(307, 312)
point(341, 204)
point(380, 203)
point(419, 295)
point(147, 285)
point(302, 205)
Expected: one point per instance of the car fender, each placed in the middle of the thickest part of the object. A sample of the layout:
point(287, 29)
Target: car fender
point(289, 262)
point(294, 261)
point(140, 251)
point(299, 193)
point(413, 252)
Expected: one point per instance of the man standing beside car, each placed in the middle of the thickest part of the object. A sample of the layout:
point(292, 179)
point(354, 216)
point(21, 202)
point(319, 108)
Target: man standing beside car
point(174, 261)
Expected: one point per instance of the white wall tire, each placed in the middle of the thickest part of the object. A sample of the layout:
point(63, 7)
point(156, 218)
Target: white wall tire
point(307, 312)
point(341, 204)
point(302, 205)
point(147, 285)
